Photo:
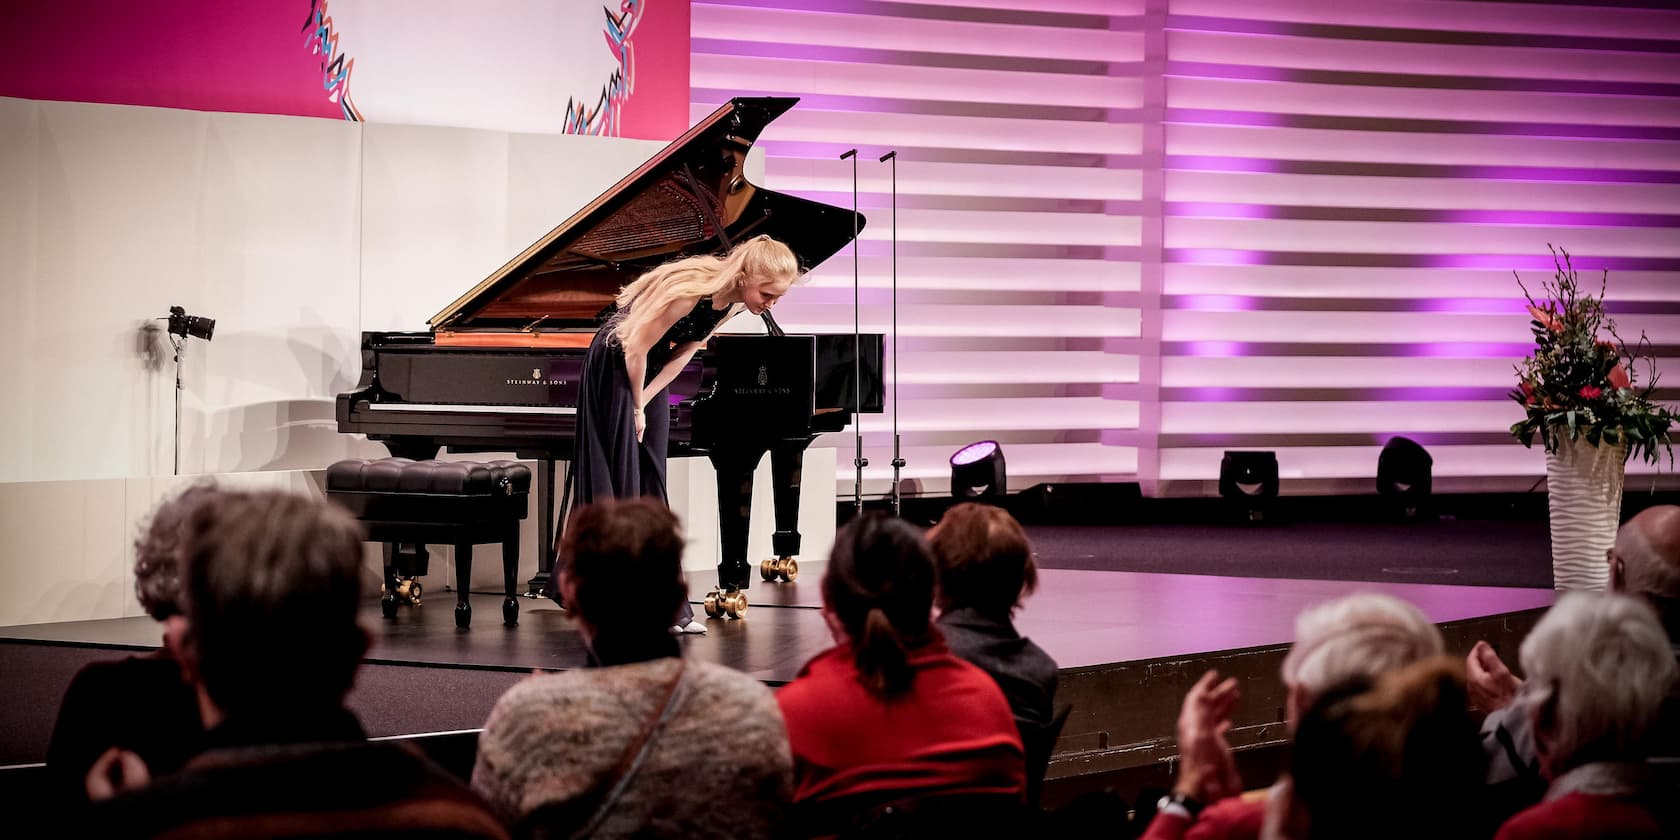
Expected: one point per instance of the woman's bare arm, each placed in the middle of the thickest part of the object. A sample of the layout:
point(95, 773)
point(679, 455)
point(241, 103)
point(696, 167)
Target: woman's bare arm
point(641, 341)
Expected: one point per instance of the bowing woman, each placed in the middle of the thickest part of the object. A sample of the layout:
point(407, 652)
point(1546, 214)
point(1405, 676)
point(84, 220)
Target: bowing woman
point(662, 318)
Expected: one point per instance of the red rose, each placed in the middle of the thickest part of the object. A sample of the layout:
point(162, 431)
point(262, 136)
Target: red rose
point(1528, 392)
point(1619, 377)
point(1591, 392)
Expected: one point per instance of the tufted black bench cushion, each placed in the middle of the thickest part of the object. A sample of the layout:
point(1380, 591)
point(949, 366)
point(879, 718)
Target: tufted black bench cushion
point(408, 504)
point(402, 475)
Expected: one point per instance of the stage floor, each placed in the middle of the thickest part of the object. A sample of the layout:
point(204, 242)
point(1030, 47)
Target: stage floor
point(1081, 618)
point(1129, 642)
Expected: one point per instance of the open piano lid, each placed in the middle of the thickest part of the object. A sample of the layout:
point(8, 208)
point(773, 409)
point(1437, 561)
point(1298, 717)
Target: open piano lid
point(691, 198)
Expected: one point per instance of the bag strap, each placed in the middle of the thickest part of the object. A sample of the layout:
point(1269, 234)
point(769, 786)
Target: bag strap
point(635, 753)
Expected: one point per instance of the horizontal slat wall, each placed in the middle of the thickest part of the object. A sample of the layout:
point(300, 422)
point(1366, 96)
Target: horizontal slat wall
point(1135, 234)
point(1017, 238)
point(1348, 187)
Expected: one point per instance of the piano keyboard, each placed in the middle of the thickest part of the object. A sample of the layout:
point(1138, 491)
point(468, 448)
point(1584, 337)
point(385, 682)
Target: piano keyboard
point(556, 410)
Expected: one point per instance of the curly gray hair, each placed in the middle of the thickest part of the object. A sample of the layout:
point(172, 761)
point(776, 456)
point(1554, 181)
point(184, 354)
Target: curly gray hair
point(157, 551)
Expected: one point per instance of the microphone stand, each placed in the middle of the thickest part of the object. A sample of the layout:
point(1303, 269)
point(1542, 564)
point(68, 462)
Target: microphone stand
point(898, 457)
point(180, 344)
point(858, 461)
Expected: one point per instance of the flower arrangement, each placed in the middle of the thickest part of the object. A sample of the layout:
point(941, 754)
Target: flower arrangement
point(1578, 385)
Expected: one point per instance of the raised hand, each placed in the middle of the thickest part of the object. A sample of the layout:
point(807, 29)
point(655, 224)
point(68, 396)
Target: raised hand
point(1492, 685)
point(1207, 769)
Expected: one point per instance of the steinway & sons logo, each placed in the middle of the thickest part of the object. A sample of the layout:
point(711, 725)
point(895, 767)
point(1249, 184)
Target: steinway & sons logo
point(763, 388)
point(537, 378)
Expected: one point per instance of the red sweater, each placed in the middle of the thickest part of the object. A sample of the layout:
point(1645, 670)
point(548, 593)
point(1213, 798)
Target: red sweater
point(1235, 818)
point(952, 733)
point(1581, 815)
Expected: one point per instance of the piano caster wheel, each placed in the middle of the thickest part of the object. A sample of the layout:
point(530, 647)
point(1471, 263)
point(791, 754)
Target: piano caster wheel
point(388, 605)
point(463, 615)
point(786, 568)
point(408, 592)
point(732, 603)
point(510, 612)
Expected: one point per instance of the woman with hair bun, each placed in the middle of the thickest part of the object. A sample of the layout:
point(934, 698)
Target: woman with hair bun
point(888, 714)
point(661, 319)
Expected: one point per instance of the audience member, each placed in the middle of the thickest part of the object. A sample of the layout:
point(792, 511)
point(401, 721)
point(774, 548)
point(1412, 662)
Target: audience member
point(1395, 757)
point(985, 567)
point(1645, 563)
point(271, 645)
point(157, 717)
point(889, 714)
point(1358, 636)
point(1599, 667)
point(642, 743)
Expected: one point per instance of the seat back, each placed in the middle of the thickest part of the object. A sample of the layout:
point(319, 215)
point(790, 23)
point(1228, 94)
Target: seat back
point(1039, 744)
point(940, 815)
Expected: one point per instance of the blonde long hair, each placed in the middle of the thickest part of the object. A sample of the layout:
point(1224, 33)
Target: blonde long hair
point(759, 260)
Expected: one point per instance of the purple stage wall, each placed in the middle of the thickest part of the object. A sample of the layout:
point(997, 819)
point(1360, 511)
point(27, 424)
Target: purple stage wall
point(1134, 234)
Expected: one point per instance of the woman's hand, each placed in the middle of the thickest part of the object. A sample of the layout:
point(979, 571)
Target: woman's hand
point(1492, 685)
point(641, 425)
point(1207, 770)
point(115, 772)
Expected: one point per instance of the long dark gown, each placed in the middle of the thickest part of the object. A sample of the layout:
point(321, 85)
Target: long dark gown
point(611, 463)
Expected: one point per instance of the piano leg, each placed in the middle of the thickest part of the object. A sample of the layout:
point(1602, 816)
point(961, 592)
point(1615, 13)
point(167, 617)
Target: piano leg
point(404, 564)
point(734, 467)
point(786, 469)
point(548, 528)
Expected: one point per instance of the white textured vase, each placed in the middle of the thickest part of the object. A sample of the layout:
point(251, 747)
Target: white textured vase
point(1585, 484)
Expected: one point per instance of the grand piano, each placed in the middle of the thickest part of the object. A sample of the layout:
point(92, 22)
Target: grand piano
point(498, 371)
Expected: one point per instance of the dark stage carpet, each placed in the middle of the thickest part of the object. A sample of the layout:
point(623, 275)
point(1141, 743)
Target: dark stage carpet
point(1117, 624)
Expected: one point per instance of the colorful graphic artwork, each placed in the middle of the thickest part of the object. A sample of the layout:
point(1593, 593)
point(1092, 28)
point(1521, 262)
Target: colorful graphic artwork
point(322, 41)
point(541, 66)
point(604, 116)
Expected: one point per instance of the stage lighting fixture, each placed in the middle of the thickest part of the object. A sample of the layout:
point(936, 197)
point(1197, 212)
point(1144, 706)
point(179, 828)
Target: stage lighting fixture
point(1404, 475)
point(1249, 479)
point(977, 471)
point(183, 325)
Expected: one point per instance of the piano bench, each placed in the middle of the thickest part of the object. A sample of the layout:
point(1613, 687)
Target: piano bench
point(458, 503)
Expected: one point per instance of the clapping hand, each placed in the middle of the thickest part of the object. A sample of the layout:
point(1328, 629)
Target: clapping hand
point(1492, 685)
point(1207, 770)
point(116, 771)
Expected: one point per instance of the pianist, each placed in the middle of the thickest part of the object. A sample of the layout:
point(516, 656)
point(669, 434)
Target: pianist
point(661, 319)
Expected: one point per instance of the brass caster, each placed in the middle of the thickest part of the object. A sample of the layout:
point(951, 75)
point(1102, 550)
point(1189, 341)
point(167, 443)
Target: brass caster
point(784, 568)
point(408, 591)
point(720, 603)
point(736, 604)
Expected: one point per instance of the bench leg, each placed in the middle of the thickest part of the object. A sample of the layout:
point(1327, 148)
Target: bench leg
point(463, 581)
point(388, 601)
point(510, 570)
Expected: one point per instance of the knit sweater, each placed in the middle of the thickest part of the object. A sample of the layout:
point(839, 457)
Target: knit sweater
point(951, 733)
point(719, 766)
